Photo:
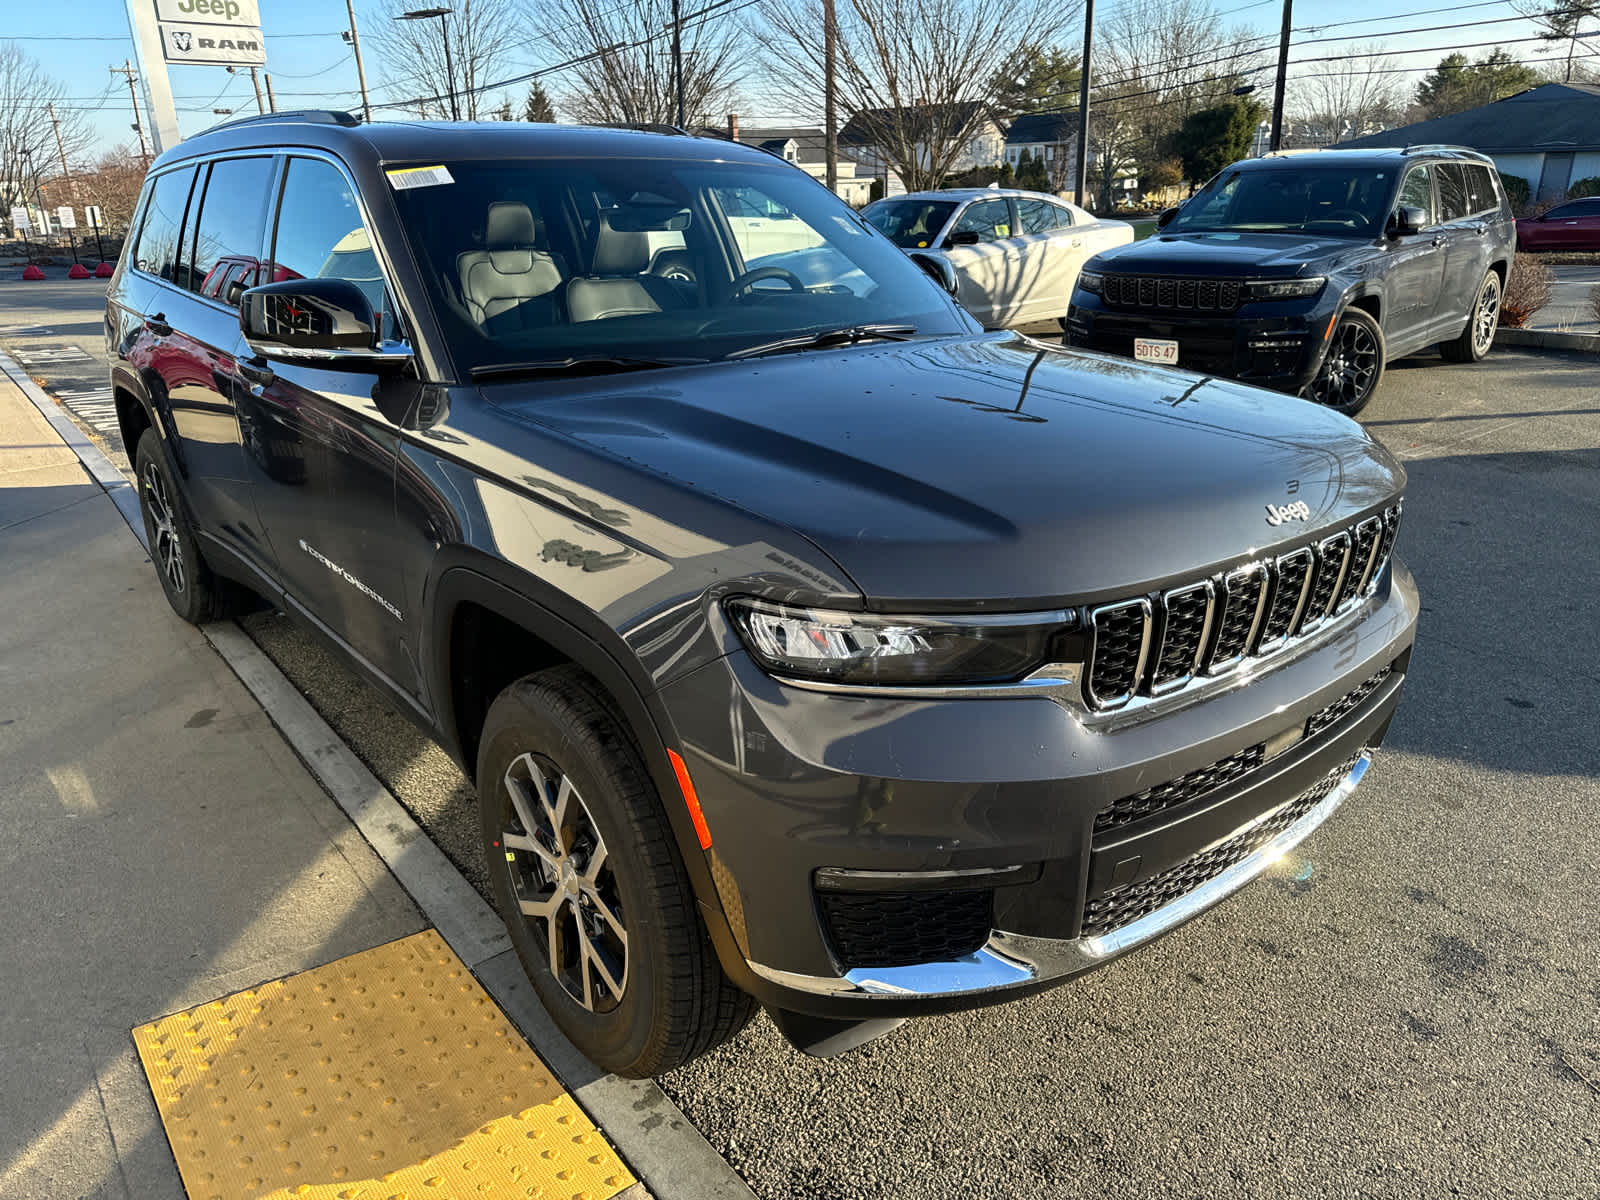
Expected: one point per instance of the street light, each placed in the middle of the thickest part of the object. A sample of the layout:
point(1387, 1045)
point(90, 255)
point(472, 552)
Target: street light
point(423, 14)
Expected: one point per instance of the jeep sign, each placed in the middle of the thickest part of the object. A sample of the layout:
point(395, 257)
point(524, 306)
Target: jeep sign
point(209, 12)
point(228, 45)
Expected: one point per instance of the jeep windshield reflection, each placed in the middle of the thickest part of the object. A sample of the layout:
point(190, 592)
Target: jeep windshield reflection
point(1285, 196)
point(621, 263)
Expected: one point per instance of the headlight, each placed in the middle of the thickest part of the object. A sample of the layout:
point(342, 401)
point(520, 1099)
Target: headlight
point(1090, 281)
point(1283, 289)
point(866, 648)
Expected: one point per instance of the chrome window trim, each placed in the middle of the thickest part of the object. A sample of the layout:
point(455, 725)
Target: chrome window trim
point(1215, 667)
point(1167, 597)
point(1147, 609)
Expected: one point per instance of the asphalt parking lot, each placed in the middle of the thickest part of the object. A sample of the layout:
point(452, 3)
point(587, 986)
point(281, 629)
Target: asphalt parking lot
point(1409, 1007)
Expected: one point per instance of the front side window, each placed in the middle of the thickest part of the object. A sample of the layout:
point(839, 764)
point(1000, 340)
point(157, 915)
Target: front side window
point(233, 217)
point(1417, 192)
point(158, 238)
point(540, 261)
point(320, 235)
point(910, 224)
point(1287, 197)
point(1453, 201)
point(989, 219)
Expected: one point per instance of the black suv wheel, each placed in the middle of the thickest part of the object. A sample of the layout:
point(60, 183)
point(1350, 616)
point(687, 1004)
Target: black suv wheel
point(1477, 339)
point(589, 882)
point(1353, 365)
point(194, 592)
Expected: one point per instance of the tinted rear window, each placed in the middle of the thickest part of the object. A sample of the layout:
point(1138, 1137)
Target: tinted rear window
point(158, 239)
point(1453, 199)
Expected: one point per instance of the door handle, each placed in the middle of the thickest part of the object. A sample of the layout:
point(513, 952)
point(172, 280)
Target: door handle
point(257, 372)
point(1438, 241)
point(156, 323)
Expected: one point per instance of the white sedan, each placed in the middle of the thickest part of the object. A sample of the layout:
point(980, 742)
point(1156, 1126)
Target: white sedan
point(1016, 254)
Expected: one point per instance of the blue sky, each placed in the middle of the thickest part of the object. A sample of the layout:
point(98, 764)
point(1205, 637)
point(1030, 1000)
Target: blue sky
point(312, 67)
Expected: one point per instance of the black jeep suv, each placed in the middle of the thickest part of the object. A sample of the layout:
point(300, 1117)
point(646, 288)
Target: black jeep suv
point(808, 645)
point(1308, 271)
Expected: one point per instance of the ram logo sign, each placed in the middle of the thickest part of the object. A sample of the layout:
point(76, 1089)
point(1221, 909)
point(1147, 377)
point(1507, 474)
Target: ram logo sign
point(225, 45)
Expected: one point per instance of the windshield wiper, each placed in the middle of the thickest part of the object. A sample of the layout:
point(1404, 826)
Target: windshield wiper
point(600, 364)
point(847, 335)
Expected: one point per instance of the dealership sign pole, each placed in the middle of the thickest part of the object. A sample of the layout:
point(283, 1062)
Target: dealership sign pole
point(153, 74)
point(202, 32)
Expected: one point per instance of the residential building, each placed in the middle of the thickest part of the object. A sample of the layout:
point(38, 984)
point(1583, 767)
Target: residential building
point(864, 134)
point(807, 148)
point(1048, 137)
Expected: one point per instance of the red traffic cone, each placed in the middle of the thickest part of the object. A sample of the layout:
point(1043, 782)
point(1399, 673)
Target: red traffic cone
point(32, 272)
point(103, 271)
point(79, 271)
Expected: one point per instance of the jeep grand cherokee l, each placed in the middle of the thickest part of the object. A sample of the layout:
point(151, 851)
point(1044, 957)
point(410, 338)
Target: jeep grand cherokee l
point(808, 646)
point(1308, 271)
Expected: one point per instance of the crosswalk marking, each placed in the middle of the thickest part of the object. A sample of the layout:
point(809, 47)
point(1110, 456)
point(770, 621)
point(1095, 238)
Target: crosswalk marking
point(34, 355)
point(96, 405)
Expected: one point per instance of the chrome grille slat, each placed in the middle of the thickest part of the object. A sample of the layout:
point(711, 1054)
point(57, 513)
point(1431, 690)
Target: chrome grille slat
point(1157, 645)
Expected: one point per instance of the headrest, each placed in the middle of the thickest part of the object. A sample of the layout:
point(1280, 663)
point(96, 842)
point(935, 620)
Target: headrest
point(509, 237)
point(619, 253)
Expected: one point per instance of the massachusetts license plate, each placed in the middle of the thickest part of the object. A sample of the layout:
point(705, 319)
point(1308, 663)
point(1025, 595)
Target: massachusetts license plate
point(1155, 350)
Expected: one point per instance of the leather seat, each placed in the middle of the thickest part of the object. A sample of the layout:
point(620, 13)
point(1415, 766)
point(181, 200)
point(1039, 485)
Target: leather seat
point(617, 286)
point(510, 283)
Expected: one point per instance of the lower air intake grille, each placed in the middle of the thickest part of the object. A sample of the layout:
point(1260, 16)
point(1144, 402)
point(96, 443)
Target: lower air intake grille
point(1179, 791)
point(1125, 905)
point(1345, 705)
point(898, 929)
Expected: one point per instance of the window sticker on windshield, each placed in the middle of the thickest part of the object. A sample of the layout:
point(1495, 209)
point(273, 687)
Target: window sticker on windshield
point(404, 178)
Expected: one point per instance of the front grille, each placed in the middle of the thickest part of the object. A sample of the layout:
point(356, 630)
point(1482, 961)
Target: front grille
point(1124, 905)
point(1171, 292)
point(897, 929)
point(1340, 570)
point(1178, 791)
point(1345, 705)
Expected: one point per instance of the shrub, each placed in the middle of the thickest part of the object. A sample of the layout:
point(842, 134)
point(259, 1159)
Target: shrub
point(1517, 191)
point(1585, 187)
point(1527, 291)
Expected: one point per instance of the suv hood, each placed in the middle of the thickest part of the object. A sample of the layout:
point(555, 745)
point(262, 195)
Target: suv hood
point(988, 470)
point(1257, 254)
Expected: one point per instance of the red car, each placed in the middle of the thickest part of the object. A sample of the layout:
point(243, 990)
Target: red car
point(1574, 225)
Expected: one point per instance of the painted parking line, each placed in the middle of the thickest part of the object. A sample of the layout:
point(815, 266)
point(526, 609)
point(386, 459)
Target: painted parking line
point(389, 1073)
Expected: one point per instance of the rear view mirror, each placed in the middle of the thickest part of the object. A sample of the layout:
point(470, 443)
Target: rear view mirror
point(938, 269)
point(1407, 220)
point(328, 322)
point(647, 218)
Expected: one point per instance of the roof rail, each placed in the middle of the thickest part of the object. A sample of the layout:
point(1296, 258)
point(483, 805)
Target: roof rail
point(640, 127)
point(1288, 153)
point(1430, 147)
point(315, 116)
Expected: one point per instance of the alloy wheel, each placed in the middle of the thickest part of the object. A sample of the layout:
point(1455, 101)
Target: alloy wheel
point(1350, 369)
point(165, 548)
point(1486, 317)
point(561, 877)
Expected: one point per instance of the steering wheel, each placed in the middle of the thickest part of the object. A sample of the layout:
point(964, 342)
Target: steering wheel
point(750, 278)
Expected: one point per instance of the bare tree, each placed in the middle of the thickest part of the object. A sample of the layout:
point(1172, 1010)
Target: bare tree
point(622, 54)
point(27, 140)
point(412, 53)
point(1360, 94)
point(1561, 22)
point(916, 74)
point(113, 182)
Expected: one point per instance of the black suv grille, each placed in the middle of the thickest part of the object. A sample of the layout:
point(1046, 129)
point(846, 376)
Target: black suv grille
point(1125, 905)
point(1345, 705)
point(897, 929)
point(1340, 570)
point(1163, 291)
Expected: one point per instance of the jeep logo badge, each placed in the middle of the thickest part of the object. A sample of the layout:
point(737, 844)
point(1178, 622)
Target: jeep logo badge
point(1277, 514)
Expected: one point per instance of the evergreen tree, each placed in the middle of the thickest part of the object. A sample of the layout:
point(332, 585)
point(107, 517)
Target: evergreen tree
point(538, 107)
point(1456, 85)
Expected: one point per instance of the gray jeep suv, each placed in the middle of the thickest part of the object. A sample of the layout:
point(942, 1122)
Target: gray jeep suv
point(808, 646)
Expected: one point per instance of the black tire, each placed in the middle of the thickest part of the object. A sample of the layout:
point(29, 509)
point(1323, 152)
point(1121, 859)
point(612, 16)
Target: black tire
point(195, 593)
point(1353, 366)
point(1476, 340)
point(675, 1002)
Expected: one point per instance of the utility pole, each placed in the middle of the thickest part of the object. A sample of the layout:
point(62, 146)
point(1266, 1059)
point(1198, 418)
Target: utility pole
point(1283, 76)
point(677, 58)
point(138, 126)
point(72, 187)
point(255, 82)
point(1083, 103)
point(272, 101)
point(361, 71)
point(830, 110)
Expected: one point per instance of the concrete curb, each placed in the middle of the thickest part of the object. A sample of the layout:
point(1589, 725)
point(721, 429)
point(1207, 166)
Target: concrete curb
point(668, 1154)
point(1548, 339)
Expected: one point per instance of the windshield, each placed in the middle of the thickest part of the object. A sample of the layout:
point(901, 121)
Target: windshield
point(1335, 200)
point(540, 261)
point(910, 224)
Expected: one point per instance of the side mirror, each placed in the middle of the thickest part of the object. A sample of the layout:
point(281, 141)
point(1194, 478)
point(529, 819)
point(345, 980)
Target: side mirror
point(1408, 220)
point(964, 237)
point(326, 322)
point(1165, 218)
point(938, 269)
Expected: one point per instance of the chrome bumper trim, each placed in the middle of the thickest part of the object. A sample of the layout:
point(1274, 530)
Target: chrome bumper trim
point(1010, 960)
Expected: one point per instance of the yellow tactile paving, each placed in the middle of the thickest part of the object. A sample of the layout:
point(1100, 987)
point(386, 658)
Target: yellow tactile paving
point(389, 1075)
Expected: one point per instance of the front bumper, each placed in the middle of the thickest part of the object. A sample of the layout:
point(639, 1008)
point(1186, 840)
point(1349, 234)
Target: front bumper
point(947, 796)
point(1278, 345)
